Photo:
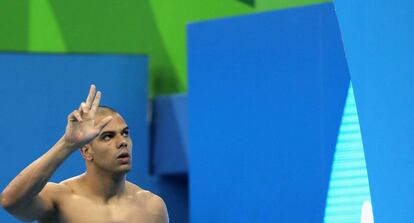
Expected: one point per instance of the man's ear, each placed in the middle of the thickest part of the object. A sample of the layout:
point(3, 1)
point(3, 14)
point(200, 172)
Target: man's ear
point(86, 152)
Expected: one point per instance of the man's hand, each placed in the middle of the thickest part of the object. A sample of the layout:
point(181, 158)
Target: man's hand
point(28, 196)
point(82, 127)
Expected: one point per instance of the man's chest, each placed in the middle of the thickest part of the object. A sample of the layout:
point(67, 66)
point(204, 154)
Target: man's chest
point(81, 210)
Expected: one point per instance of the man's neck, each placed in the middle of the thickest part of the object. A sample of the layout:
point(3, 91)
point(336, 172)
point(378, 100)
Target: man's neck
point(104, 185)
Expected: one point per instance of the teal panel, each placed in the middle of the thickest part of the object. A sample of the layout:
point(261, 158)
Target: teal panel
point(348, 187)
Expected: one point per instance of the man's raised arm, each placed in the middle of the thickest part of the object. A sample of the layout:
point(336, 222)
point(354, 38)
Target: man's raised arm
point(28, 196)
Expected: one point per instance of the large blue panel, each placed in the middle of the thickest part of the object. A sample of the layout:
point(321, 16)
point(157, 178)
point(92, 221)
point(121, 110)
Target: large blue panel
point(169, 143)
point(169, 135)
point(266, 97)
point(378, 39)
point(37, 93)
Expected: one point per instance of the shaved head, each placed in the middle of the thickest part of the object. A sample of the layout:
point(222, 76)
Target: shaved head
point(105, 110)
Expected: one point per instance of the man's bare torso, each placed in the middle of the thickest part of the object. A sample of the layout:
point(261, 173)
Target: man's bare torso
point(75, 205)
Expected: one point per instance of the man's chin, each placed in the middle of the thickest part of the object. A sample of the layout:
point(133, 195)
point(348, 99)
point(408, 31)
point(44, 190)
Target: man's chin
point(124, 169)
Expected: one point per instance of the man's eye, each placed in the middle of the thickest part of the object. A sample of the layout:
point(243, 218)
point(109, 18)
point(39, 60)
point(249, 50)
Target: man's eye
point(106, 137)
point(126, 133)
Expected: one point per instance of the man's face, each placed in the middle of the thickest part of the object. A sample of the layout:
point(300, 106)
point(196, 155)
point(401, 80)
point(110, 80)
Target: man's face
point(111, 150)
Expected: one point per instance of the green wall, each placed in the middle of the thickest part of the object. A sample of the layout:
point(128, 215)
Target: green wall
point(152, 27)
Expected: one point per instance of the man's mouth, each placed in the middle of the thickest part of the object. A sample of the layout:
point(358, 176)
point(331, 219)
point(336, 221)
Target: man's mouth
point(124, 157)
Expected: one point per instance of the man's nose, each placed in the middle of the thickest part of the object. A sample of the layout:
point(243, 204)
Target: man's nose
point(122, 144)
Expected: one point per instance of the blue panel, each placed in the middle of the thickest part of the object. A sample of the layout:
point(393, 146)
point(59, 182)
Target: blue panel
point(37, 93)
point(378, 38)
point(169, 135)
point(266, 97)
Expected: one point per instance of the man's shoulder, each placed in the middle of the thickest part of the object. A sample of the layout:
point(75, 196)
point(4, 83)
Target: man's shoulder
point(150, 199)
point(71, 183)
point(55, 191)
point(138, 192)
point(56, 187)
point(63, 187)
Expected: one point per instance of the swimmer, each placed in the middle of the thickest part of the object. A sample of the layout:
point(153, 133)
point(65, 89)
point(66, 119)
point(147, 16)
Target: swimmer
point(101, 194)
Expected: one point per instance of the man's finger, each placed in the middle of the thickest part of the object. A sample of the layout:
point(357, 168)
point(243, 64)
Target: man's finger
point(75, 116)
point(83, 108)
point(91, 95)
point(96, 102)
point(80, 108)
point(105, 121)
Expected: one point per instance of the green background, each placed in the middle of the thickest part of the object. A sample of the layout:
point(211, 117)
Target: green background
point(152, 27)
